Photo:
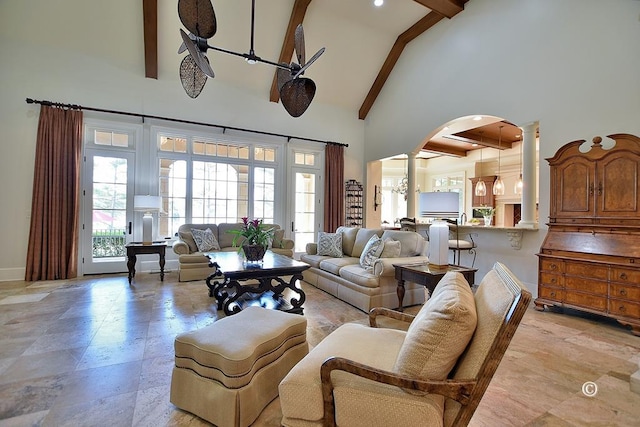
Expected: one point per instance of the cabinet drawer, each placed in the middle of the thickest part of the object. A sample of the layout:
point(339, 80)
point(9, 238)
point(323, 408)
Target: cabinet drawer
point(595, 302)
point(618, 290)
point(552, 265)
point(550, 279)
point(586, 285)
point(625, 275)
point(590, 270)
point(554, 294)
point(624, 308)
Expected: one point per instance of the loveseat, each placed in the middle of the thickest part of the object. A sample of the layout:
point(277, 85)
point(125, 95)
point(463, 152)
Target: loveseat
point(194, 265)
point(343, 276)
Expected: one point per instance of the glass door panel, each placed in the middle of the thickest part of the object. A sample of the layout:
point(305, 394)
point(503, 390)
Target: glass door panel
point(107, 211)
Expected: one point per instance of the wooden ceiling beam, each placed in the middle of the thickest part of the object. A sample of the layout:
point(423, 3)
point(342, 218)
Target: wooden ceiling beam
point(297, 16)
point(448, 8)
point(434, 147)
point(414, 31)
point(439, 10)
point(150, 22)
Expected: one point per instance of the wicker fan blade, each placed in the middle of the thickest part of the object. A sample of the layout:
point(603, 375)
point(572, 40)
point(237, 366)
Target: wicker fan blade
point(308, 64)
point(197, 55)
point(283, 76)
point(183, 46)
point(299, 44)
point(192, 77)
point(198, 17)
point(296, 95)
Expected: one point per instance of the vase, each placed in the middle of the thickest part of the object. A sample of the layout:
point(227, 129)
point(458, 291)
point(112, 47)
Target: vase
point(254, 253)
point(487, 220)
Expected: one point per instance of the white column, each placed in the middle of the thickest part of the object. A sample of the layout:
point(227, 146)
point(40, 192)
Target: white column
point(528, 219)
point(411, 195)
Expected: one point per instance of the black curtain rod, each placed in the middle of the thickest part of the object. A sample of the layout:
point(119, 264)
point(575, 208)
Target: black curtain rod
point(190, 122)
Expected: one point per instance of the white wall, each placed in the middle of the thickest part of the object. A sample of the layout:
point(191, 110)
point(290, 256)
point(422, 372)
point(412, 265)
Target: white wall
point(573, 65)
point(91, 53)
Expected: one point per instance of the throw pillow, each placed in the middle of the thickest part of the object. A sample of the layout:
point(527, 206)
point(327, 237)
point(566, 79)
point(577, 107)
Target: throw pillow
point(330, 244)
point(371, 252)
point(278, 235)
point(391, 249)
point(187, 237)
point(205, 240)
point(440, 331)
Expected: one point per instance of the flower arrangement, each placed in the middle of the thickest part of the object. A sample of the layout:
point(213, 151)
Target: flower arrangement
point(254, 233)
point(485, 210)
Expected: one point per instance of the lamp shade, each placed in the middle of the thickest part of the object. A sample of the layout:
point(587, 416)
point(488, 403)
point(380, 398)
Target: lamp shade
point(439, 204)
point(147, 203)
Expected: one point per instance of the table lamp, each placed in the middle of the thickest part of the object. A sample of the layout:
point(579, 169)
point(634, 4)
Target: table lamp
point(439, 205)
point(148, 205)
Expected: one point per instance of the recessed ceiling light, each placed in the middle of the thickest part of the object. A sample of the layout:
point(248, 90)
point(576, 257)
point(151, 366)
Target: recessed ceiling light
point(477, 118)
point(378, 2)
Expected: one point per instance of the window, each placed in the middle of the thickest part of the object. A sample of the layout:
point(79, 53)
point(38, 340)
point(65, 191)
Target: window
point(453, 183)
point(204, 180)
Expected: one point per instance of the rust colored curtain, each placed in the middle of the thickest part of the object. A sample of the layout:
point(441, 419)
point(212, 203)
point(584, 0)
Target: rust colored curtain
point(333, 187)
point(53, 236)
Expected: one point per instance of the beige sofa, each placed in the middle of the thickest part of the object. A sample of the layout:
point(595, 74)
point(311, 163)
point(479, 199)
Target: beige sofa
point(194, 265)
point(347, 280)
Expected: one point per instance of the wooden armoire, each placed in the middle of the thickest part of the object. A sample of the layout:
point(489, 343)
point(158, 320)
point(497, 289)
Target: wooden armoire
point(590, 257)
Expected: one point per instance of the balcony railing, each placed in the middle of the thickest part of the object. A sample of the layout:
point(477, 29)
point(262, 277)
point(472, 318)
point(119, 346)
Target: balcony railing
point(108, 243)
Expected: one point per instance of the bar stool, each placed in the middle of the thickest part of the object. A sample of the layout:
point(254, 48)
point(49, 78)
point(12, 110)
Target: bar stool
point(457, 245)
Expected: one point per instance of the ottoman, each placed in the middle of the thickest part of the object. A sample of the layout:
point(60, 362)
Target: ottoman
point(228, 372)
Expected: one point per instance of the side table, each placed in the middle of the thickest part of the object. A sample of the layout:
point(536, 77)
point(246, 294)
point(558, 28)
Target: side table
point(427, 276)
point(139, 248)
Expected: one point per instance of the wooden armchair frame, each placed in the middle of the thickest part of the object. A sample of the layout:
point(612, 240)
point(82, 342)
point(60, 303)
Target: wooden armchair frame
point(468, 392)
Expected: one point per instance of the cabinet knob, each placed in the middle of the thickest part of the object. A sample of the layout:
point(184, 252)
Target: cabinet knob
point(621, 308)
point(623, 292)
point(553, 294)
point(554, 266)
point(623, 276)
point(553, 280)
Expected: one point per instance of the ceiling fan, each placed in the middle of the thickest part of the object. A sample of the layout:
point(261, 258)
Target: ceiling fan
point(198, 16)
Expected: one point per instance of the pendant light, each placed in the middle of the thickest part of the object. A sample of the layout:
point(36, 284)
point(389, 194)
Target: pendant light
point(517, 188)
point(498, 185)
point(481, 187)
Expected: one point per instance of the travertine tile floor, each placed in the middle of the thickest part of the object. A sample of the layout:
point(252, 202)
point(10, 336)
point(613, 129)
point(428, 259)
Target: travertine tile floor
point(96, 351)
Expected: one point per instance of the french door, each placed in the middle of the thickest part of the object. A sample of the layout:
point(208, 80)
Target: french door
point(305, 187)
point(107, 201)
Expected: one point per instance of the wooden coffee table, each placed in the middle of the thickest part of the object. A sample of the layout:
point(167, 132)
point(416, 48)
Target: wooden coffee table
point(428, 276)
point(235, 281)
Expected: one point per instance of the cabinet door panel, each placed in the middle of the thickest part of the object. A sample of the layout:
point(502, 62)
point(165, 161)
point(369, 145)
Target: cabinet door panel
point(574, 190)
point(614, 198)
point(551, 279)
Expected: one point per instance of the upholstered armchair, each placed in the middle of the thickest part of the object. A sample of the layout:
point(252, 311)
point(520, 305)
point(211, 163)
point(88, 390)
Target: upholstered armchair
point(434, 373)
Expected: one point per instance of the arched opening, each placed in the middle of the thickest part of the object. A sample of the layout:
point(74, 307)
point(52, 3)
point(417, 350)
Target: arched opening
point(454, 157)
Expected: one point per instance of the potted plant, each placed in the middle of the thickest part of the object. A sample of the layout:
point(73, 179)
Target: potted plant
point(254, 237)
point(487, 213)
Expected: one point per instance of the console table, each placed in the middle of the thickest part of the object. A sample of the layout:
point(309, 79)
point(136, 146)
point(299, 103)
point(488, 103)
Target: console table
point(427, 276)
point(139, 248)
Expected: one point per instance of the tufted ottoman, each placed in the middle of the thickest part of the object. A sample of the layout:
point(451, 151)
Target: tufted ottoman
point(228, 372)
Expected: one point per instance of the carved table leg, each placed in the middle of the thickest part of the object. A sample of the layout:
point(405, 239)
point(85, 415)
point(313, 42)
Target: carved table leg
point(131, 266)
point(400, 292)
